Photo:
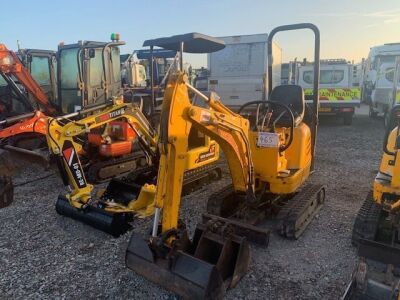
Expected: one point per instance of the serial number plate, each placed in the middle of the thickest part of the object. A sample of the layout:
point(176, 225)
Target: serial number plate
point(268, 140)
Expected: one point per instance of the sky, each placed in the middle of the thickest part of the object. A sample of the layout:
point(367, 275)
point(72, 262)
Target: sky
point(348, 27)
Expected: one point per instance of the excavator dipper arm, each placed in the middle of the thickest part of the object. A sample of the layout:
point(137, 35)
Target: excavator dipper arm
point(228, 129)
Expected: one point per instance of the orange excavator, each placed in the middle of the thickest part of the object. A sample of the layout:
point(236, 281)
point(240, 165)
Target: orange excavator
point(31, 126)
point(11, 67)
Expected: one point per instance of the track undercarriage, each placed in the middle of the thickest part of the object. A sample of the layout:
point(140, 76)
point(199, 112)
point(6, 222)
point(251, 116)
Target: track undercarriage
point(292, 212)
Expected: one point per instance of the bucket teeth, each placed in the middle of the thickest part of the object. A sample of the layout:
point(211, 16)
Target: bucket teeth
point(201, 269)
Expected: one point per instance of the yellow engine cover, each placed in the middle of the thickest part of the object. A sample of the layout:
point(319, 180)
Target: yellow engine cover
point(284, 171)
point(387, 180)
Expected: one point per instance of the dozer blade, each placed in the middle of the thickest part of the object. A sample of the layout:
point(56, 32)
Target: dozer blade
point(202, 269)
point(377, 273)
point(6, 191)
point(111, 223)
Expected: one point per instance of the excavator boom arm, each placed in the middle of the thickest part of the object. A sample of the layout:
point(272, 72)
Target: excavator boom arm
point(228, 129)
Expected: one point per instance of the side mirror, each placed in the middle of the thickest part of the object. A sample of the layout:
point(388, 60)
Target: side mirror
point(92, 53)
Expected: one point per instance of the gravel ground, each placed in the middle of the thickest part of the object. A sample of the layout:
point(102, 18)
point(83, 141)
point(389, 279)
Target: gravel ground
point(44, 255)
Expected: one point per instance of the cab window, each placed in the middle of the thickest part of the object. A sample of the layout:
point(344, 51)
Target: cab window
point(69, 68)
point(3, 82)
point(96, 68)
point(40, 70)
point(116, 63)
point(326, 76)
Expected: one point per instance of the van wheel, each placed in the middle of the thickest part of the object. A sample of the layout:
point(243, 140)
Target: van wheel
point(372, 113)
point(348, 119)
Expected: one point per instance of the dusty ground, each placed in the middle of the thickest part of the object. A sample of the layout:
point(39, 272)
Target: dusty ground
point(46, 256)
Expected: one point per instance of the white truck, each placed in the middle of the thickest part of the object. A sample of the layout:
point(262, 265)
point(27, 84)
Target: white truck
point(381, 92)
point(238, 72)
point(378, 55)
point(337, 94)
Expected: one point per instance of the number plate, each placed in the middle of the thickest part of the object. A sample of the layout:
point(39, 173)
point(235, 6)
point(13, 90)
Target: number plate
point(268, 140)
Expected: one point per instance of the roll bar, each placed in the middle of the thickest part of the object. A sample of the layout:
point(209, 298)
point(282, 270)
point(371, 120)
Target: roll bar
point(315, 29)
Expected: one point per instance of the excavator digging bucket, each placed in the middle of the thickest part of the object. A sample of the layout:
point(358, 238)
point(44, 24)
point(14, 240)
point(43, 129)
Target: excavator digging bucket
point(202, 269)
point(6, 191)
point(111, 223)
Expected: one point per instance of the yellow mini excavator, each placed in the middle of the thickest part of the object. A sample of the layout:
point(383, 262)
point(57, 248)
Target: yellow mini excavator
point(270, 157)
point(376, 229)
point(119, 129)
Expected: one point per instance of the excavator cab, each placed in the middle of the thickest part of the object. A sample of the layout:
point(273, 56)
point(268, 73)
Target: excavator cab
point(281, 134)
point(88, 74)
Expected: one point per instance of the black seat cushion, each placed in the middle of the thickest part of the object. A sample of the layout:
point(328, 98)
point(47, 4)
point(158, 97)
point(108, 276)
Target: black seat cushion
point(293, 97)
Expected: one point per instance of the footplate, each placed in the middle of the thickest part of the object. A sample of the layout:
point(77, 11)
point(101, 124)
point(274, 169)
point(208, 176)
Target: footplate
point(6, 191)
point(297, 213)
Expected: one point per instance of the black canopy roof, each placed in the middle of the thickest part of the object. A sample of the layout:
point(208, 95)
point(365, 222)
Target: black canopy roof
point(192, 43)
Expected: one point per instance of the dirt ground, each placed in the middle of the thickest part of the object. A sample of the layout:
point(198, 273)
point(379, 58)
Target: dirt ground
point(46, 256)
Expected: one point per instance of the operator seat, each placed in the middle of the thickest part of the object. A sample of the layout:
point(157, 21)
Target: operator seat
point(293, 97)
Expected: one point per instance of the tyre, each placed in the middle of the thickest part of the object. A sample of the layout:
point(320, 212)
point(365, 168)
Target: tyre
point(348, 119)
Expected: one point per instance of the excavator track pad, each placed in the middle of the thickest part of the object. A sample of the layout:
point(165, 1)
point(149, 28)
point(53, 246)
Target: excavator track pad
point(294, 217)
point(204, 268)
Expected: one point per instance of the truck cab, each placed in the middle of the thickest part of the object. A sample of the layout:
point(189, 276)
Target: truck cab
point(237, 73)
point(377, 56)
point(381, 93)
point(89, 73)
point(337, 94)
